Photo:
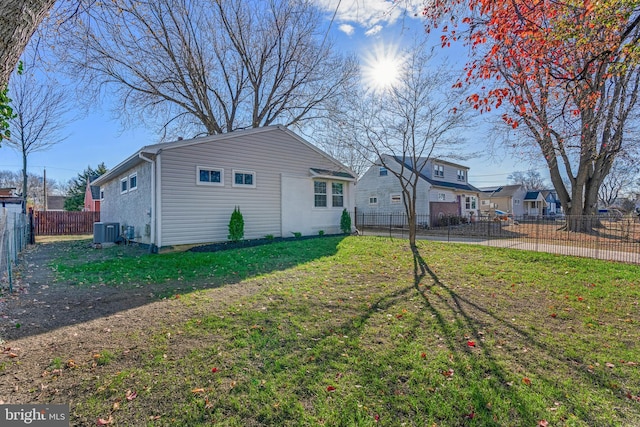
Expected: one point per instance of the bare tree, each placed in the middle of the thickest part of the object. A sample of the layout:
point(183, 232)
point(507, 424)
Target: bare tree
point(530, 180)
point(35, 185)
point(209, 66)
point(621, 180)
point(408, 123)
point(39, 118)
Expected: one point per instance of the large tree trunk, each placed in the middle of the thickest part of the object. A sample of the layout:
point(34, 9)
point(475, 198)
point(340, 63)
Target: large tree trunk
point(18, 21)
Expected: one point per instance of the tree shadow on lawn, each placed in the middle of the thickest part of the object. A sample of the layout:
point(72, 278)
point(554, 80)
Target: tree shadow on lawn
point(520, 355)
point(42, 303)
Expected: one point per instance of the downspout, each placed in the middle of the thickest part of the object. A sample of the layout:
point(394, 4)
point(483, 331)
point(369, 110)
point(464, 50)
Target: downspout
point(153, 244)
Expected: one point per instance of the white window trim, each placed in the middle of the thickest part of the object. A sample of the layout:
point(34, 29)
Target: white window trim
point(126, 181)
point(373, 203)
point(325, 194)
point(233, 178)
point(443, 198)
point(129, 184)
point(210, 168)
point(334, 195)
point(462, 175)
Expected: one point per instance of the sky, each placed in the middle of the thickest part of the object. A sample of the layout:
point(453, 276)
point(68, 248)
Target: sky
point(359, 26)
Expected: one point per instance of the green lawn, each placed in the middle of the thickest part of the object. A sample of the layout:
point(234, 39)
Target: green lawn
point(356, 332)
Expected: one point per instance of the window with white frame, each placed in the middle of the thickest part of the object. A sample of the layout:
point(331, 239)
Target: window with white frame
point(383, 171)
point(337, 196)
point(438, 170)
point(516, 201)
point(470, 202)
point(373, 200)
point(101, 194)
point(206, 175)
point(396, 198)
point(320, 194)
point(133, 181)
point(461, 175)
point(442, 197)
point(244, 178)
point(124, 185)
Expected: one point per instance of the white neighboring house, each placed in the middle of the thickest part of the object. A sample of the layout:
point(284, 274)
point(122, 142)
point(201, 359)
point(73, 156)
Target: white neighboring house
point(184, 192)
point(443, 190)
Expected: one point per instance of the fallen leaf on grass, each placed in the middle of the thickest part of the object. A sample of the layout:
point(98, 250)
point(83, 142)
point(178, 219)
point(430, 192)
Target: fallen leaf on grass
point(103, 422)
point(331, 388)
point(130, 395)
point(12, 355)
point(448, 373)
point(471, 343)
point(543, 423)
point(610, 365)
point(526, 380)
point(214, 370)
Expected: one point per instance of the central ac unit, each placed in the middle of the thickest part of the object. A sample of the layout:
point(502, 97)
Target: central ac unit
point(106, 232)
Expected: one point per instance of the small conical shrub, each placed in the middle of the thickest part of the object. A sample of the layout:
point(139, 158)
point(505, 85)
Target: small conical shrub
point(236, 226)
point(345, 222)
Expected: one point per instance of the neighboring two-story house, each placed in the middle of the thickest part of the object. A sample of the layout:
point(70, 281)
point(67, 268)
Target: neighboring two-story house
point(443, 189)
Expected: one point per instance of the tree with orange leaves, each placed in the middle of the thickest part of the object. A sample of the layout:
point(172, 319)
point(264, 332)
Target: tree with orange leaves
point(567, 74)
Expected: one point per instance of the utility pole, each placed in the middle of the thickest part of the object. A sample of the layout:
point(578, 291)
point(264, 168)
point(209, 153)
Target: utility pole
point(44, 180)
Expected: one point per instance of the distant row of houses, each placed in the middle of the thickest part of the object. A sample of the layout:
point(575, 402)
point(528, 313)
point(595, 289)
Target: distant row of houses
point(183, 192)
point(11, 201)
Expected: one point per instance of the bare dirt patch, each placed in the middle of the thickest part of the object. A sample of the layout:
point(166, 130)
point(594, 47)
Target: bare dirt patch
point(53, 332)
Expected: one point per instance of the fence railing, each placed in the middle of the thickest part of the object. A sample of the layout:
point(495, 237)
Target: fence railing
point(54, 223)
point(14, 236)
point(616, 238)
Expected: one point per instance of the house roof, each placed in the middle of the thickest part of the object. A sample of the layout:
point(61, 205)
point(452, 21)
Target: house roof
point(502, 191)
point(533, 196)
point(148, 152)
point(332, 174)
point(55, 203)
point(436, 183)
point(95, 192)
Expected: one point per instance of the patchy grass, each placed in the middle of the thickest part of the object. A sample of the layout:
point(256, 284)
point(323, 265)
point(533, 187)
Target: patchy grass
point(357, 331)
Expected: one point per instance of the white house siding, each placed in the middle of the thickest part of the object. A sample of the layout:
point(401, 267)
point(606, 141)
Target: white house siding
point(194, 213)
point(132, 208)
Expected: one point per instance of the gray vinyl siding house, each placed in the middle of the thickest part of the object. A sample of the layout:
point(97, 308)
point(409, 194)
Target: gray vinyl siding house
point(442, 190)
point(184, 192)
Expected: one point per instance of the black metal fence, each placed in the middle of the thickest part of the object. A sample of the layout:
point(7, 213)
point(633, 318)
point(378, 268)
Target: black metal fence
point(614, 238)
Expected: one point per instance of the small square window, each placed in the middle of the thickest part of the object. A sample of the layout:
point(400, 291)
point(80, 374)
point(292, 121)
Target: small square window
point(373, 200)
point(442, 197)
point(244, 179)
point(383, 171)
point(124, 185)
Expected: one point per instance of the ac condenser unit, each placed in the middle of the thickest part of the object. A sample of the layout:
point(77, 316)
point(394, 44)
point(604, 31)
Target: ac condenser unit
point(106, 232)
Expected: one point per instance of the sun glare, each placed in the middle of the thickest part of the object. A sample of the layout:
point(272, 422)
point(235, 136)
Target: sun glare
point(381, 67)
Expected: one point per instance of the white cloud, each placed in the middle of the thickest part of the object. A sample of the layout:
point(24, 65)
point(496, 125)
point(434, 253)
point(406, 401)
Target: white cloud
point(373, 30)
point(369, 13)
point(347, 29)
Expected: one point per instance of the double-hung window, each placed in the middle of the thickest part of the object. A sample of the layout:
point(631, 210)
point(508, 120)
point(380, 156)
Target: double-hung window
point(383, 171)
point(337, 194)
point(470, 202)
point(438, 171)
point(320, 194)
point(124, 185)
point(461, 175)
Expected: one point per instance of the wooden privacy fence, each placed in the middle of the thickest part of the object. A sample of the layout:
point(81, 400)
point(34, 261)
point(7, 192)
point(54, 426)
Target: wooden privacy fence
point(53, 223)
